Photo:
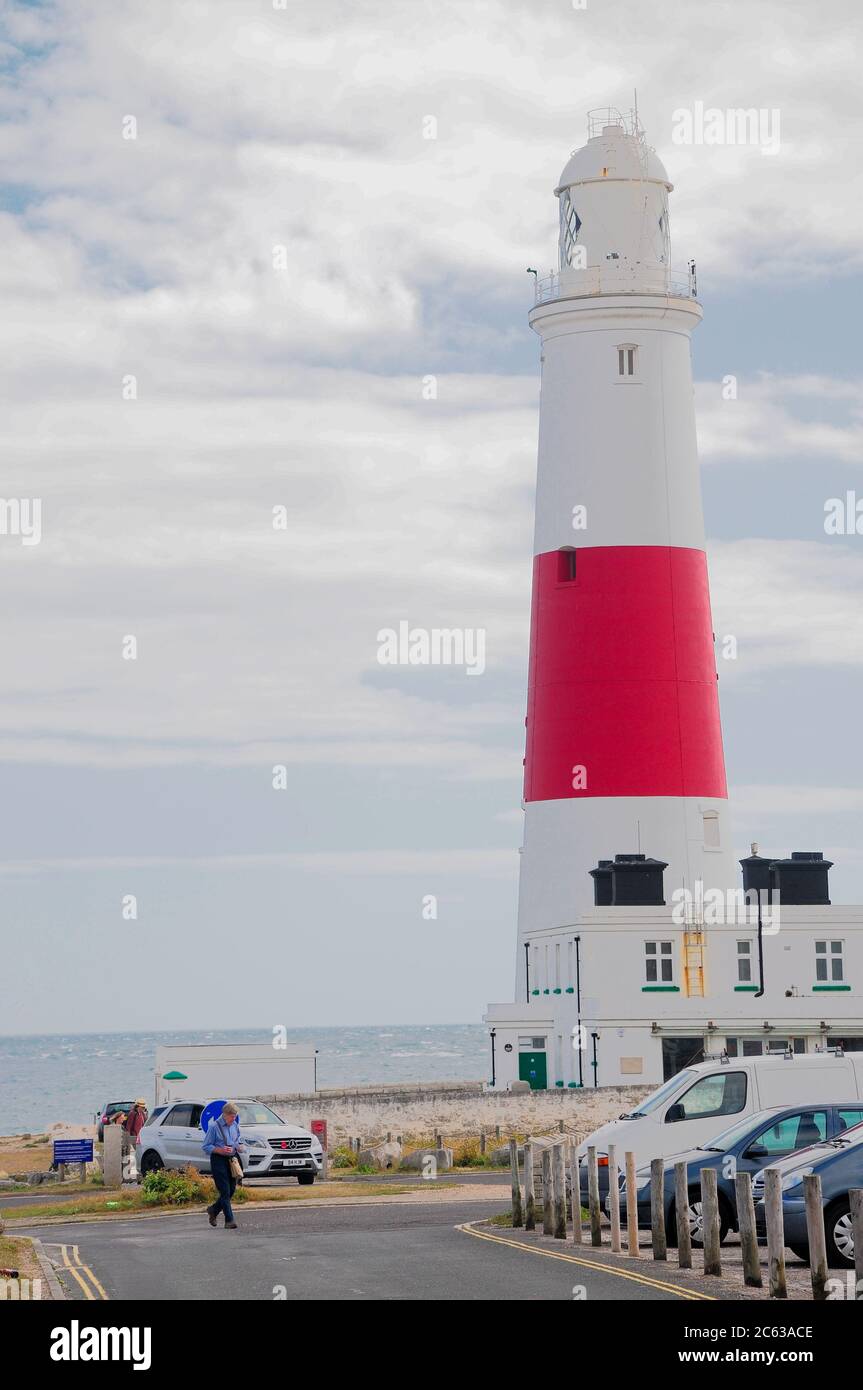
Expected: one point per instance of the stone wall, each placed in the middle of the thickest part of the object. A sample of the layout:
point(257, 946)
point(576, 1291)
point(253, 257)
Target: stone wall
point(455, 1109)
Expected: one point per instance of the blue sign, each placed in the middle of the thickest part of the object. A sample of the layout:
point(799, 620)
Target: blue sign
point(212, 1111)
point(73, 1150)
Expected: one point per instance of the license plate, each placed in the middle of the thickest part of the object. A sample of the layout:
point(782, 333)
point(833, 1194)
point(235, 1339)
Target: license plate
point(288, 1162)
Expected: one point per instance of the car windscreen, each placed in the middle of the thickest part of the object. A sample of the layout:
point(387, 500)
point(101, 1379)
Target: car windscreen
point(727, 1137)
point(659, 1097)
point(252, 1112)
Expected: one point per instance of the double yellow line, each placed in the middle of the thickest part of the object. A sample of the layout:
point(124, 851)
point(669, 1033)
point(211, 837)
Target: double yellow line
point(690, 1294)
point(82, 1273)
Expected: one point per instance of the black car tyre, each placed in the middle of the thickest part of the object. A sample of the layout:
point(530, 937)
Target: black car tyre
point(306, 1179)
point(151, 1162)
point(696, 1233)
point(839, 1234)
point(801, 1251)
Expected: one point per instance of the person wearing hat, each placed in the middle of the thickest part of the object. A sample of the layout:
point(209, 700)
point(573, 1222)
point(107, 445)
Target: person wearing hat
point(224, 1143)
point(133, 1124)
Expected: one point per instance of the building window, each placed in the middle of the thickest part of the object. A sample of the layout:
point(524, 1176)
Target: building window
point(626, 359)
point(828, 962)
point(570, 226)
point(710, 822)
point(565, 565)
point(744, 962)
point(659, 962)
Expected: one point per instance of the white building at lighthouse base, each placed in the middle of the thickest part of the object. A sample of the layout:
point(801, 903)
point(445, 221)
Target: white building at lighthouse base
point(629, 995)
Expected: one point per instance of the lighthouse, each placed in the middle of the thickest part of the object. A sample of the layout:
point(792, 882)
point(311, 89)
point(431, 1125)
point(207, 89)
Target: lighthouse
point(624, 744)
point(623, 977)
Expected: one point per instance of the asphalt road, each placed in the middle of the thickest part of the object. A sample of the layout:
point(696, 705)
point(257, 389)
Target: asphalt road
point(381, 1252)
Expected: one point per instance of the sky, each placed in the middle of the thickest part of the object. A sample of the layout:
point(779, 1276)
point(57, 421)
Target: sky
point(237, 241)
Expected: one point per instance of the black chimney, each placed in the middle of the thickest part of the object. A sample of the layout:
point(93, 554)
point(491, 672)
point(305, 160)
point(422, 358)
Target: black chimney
point(802, 879)
point(757, 877)
point(601, 876)
point(636, 881)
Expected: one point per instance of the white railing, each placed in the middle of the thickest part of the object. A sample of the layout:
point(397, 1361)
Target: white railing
point(595, 280)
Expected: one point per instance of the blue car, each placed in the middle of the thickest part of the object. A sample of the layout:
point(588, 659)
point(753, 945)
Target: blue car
point(747, 1147)
point(839, 1164)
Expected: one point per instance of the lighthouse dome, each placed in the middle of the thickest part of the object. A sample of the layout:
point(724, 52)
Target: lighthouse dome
point(614, 153)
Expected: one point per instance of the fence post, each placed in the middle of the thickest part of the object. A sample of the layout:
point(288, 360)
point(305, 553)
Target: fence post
point(593, 1197)
point(775, 1233)
point(657, 1209)
point(529, 1188)
point(631, 1206)
point(815, 1232)
point(517, 1219)
point(710, 1222)
point(547, 1208)
point(614, 1199)
point(748, 1238)
point(681, 1212)
point(856, 1198)
point(559, 1192)
point(482, 1142)
point(575, 1183)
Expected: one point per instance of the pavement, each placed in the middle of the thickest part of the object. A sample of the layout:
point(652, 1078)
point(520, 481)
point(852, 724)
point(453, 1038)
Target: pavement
point(437, 1250)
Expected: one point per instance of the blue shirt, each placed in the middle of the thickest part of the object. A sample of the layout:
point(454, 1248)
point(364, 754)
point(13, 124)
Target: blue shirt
point(220, 1134)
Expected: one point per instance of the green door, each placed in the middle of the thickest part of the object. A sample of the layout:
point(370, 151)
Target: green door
point(531, 1067)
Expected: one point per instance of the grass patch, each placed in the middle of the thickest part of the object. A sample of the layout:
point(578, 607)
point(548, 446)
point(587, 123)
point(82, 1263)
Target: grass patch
point(171, 1199)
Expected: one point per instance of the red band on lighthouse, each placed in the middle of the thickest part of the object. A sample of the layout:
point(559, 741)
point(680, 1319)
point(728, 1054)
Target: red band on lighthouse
point(622, 676)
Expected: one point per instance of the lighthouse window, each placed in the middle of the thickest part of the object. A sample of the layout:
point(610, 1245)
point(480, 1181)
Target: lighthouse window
point(565, 566)
point(711, 830)
point(744, 962)
point(570, 226)
point(829, 962)
point(659, 962)
point(626, 355)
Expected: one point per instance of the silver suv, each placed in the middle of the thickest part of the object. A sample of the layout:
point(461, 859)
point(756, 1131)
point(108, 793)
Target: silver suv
point(172, 1138)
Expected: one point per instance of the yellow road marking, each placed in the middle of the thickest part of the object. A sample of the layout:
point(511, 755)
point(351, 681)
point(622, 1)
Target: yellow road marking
point(468, 1228)
point(89, 1273)
point(78, 1270)
point(73, 1271)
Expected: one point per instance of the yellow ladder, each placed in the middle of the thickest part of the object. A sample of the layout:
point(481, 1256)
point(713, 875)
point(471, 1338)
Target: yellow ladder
point(693, 958)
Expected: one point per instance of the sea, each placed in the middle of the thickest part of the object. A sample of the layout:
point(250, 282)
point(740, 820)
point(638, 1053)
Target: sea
point(47, 1079)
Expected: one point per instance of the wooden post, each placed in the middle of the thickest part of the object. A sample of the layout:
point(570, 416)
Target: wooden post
point(710, 1222)
point(856, 1199)
point(593, 1197)
point(631, 1206)
point(529, 1187)
point(575, 1184)
point(482, 1142)
point(681, 1211)
point(517, 1219)
point(561, 1128)
point(547, 1205)
point(614, 1199)
point(559, 1168)
point(657, 1209)
point(815, 1232)
point(497, 1131)
point(748, 1238)
point(775, 1233)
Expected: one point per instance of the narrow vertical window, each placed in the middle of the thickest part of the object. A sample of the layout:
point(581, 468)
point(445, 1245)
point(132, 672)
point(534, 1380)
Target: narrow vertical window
point(626, 359)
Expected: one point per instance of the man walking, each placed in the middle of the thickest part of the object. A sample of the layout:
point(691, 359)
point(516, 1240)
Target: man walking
point(132, 1126)
point(224, 1144)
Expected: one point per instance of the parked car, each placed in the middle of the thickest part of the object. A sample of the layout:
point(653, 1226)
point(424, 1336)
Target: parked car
point(693, 1105)
point(173, 1138)
point(108, 1111)
point(839, 1164)
point(746, 1147)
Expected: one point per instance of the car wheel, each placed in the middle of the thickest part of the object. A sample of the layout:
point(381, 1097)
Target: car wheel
point(840, 1235)
point(306, 1179)
point(801, 1251)
point(151, 1162)
point(696, 1219)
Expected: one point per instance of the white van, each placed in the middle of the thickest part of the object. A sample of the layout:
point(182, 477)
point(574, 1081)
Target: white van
point(703, 1099)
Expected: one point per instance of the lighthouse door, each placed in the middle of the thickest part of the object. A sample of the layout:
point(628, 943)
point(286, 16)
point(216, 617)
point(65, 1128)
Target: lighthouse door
point(532, 1068)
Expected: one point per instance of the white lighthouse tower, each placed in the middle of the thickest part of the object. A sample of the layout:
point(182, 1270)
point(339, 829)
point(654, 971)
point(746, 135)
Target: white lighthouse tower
point(624, 746)
point(625, 797)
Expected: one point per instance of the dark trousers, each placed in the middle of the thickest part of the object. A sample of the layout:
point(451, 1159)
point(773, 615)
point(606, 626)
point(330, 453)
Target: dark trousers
point(226, 1185)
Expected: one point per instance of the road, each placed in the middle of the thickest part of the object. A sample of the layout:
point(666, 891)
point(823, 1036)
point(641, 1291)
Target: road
point(380, 1252)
